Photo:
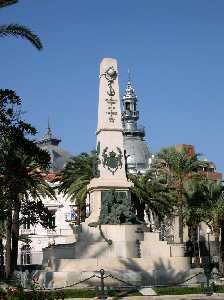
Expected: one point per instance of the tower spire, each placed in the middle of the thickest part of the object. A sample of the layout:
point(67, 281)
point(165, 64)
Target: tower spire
point(130, 113)
point(49, 131)
point(48, 137)
point(129, 75)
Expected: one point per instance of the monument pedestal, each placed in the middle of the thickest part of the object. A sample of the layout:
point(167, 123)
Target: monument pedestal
point(96, 187)
point(109, 239)
point(134, 256)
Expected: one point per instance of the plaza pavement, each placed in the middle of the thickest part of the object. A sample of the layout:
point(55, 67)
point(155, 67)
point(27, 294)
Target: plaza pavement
point(169, 297)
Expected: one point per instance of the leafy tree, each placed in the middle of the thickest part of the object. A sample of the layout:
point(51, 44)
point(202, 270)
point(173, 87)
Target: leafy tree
point(205, 203)
point(17, 30)
point(21, 162)
point(178, 167)
point(151, 193)
point(76, 176)
point(31, 185)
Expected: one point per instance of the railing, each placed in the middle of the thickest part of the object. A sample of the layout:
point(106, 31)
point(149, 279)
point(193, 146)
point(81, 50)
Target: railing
point(59, 231)
point(101, 288)
point(30, 231)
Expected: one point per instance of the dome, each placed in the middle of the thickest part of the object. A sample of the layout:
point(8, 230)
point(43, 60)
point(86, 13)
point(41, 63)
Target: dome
point(59, 157)
point(137, 153)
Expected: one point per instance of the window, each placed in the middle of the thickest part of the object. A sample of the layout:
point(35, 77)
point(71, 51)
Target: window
point(127, 106)
point(51, 220)
point(26, 223)
point(25, 255)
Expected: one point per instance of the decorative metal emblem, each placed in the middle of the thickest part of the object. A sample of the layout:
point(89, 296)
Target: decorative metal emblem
point(112, 160)
point(111, 75)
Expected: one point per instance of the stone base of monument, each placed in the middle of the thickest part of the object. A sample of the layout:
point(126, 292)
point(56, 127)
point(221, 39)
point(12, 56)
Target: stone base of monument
point(140, 276)
point(125, 251)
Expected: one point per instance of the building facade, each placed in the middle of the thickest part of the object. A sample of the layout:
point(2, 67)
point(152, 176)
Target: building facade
point(138, 158)
point(61, 208)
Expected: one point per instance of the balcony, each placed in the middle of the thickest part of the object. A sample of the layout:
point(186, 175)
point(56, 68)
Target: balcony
point(25, 231)
point(59, 232)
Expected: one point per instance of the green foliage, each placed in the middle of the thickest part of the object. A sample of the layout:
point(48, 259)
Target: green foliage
point(84, 293)
point(154, 192)
point(177, 167)
point(76, 176)
point(17, 30)
point(21, 165)
point(205, 202)
point(178, 290)
point(35, 212)
point(4, 3)
point(179, 161)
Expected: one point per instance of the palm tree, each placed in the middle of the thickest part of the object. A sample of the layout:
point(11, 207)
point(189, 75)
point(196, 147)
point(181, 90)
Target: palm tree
point(21, 179)
point(178, 166)
point(205, 203)
point(76, 176)
point(4, 3)
point(21, 163)
point(17, 30)
point(31, 185)
point(151, 193)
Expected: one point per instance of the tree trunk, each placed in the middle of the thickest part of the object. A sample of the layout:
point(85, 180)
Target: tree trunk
point(180, 193)
point(181, 227)
point(222, 247)
point(141, 212)
point(1, 259)
point(8, 270)
point(15, 235)
point(216, 251)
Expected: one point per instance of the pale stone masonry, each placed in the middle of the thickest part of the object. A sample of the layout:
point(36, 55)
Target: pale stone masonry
point(110, 141)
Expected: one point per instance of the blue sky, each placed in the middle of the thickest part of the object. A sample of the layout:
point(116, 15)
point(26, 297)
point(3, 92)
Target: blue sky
point(175, 50)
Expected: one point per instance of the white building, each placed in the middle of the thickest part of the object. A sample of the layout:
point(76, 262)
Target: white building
point(62, 209)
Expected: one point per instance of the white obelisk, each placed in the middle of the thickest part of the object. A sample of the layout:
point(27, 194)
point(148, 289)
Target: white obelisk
point(110, 144)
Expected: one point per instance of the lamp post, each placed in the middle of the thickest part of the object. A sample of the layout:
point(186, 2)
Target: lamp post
point(209, 248)
point(208, 266)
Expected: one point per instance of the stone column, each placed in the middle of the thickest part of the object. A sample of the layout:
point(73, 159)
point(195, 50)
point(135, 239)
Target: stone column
point(110, 145)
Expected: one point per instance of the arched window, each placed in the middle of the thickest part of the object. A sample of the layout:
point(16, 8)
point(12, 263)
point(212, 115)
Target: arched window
point(127, 106)
point(25, 255)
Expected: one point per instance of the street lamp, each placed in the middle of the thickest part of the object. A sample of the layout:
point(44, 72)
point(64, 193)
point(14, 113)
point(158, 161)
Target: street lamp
point(209, 248)
point(208, 266)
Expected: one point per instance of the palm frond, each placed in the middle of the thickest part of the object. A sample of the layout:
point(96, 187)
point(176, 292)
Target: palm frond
point(18, 30)
point(4, 3)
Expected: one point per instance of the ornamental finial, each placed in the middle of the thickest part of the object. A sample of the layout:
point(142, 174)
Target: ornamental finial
point(129, 75)
point(129, 91)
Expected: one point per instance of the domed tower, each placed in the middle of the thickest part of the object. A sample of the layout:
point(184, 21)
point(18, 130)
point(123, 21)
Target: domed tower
point(59, 157)
point(137, 151)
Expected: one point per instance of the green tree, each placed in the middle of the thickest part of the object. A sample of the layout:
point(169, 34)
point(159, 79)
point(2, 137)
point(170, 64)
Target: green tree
point(29, 161)
point(205, 203)
point(151, 193)
point(17, 30)
point(21, 162)
point(76, 176)
point(178, 167)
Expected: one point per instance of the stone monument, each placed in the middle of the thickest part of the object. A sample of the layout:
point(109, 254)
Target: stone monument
point(110, 185)
point(111, 237)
